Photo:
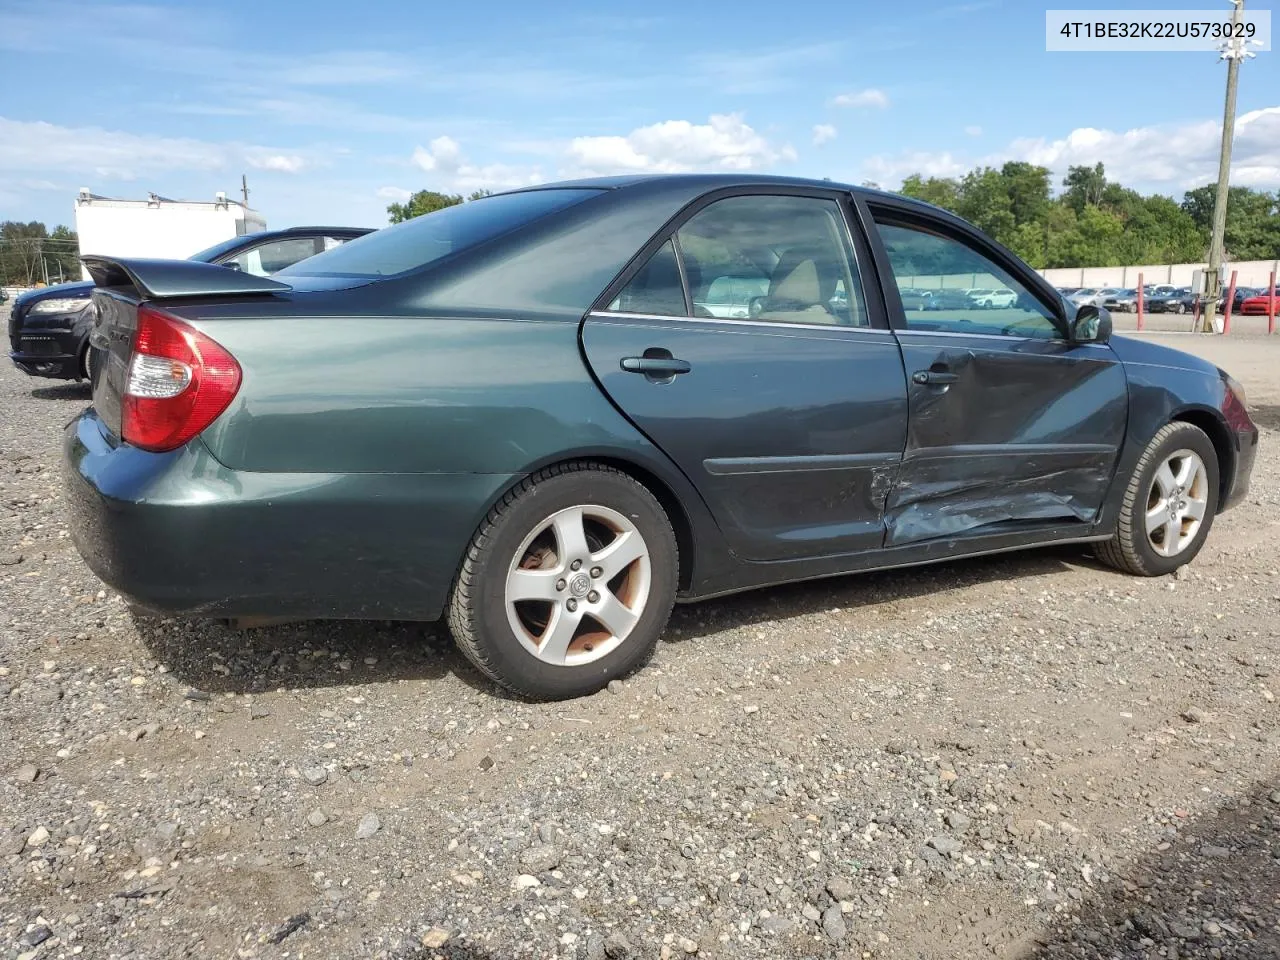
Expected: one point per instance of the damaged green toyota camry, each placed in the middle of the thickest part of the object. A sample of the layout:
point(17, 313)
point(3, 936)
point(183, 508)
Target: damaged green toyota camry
point(551, 413)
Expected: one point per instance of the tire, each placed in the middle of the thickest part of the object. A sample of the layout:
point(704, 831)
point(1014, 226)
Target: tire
point(83, 366)
point(1177, 536)
point(529, 644)
point(1181, 308)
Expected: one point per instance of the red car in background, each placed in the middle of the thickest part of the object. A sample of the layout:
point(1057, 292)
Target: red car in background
point(1257, 306)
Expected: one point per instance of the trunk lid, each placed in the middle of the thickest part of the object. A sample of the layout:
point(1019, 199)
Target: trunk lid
point(123, 285)
point(111, 341)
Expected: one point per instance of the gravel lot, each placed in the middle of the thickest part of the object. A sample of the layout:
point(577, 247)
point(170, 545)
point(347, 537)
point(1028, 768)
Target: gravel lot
point(1016, 757)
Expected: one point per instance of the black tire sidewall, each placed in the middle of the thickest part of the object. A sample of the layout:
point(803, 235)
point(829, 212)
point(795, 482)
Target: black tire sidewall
point(1187, 437)
point(505, 653)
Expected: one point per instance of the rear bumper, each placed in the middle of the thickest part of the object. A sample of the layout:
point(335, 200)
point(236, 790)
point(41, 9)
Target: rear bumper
point(182, 535)
point(1246, 443)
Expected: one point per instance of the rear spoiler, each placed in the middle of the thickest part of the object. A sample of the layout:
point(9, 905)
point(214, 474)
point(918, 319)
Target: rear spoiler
point(156, 279)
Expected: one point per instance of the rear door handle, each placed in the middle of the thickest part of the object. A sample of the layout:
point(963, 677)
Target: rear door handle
point(934, 377)
point(655, 366)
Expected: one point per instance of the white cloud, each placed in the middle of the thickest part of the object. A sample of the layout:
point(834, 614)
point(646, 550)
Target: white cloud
point(37, 147)
point(444, 160)
point(725, 142)
point(1169, 157)
point(870, 97)
point(279, 162)
point(883, 169)
point(823, 132)
point(398, 194)
point(443, 155)
point(973, 131)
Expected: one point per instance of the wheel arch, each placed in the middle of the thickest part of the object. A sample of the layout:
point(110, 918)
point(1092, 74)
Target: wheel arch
point(678, 514)
point(1215, 427)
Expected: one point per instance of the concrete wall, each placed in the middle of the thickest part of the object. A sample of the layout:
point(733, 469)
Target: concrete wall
point(949, 281)
point(1250, 273)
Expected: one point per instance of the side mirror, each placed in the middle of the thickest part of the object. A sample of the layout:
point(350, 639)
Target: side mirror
point(231, 265)
point(1091, 324)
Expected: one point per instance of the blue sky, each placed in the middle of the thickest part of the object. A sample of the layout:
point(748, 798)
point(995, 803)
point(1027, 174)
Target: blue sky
point(335, 109)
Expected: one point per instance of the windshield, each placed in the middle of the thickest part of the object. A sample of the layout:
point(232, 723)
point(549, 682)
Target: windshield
point(424, 239)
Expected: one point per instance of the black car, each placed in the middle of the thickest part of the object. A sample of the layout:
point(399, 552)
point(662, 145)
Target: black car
point(49, 327)
point(517, 412)
point(1242, 294)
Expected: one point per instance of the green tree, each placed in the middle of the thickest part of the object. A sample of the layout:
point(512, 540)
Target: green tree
point(984, 201)
point(22, 252)
point(64, 252)
point(422, 202)
point(1085, 186)
point(428, 201)
point(1253, 220)
point(940, 191)
point(1029, 190)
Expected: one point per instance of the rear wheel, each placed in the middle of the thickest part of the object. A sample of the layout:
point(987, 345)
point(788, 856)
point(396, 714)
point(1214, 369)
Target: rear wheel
point(1168, 505)
point(85, 360)
point(567, 584)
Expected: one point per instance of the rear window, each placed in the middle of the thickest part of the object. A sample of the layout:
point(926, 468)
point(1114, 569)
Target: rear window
point(419, 241)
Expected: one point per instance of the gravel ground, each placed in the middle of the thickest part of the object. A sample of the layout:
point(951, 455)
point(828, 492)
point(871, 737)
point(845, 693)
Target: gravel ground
point(1016, 757)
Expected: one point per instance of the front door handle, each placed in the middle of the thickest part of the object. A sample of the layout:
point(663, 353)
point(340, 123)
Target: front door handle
point(657, 367)
point(934, 378)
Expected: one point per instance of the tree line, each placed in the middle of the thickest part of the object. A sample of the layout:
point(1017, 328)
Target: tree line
point(1095, 222)
point(29, 253)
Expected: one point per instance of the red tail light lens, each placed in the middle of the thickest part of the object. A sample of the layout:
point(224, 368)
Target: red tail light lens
point(180, 381)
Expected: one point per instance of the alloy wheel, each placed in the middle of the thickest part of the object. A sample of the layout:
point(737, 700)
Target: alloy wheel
point(578, 585)
point(1176, 503)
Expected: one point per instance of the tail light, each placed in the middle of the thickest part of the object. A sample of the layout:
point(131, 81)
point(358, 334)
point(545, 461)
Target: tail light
point(180, 381)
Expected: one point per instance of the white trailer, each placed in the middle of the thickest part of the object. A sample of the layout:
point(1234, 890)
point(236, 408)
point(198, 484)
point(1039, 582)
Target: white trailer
point(158, 226)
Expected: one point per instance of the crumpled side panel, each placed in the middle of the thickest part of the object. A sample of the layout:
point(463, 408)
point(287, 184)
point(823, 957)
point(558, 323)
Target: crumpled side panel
point(958, 495)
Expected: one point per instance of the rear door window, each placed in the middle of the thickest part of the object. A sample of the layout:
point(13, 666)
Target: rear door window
point(656, 288)
point(782, 259)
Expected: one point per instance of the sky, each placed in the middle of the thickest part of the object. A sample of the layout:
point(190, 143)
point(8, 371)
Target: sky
point(333, 110)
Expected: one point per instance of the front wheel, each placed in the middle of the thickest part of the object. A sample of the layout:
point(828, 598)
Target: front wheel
point(567, 584)
point(1168, 505)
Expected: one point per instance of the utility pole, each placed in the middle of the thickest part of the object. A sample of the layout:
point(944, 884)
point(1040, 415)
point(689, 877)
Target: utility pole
point(1233, 51)
point(244, 181)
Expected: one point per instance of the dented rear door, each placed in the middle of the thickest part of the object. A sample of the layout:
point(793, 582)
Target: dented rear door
point(1008, 423)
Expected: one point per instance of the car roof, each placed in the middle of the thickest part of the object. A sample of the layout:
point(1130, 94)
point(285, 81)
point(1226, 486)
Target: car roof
point(285, 231)
point(699, 183)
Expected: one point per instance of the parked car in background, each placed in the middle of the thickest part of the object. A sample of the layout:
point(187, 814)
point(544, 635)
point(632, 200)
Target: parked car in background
point(49, 327)
point(1256, 306)
point(1066, 291)
point(986, 299)
point(1241, 295)
point(731, 297)
point(1121, 301)
point(1186, 300)
point(946, 299)
point(1083, 295)
point(1161, 298)
point(511, 411)
point(913, 298)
